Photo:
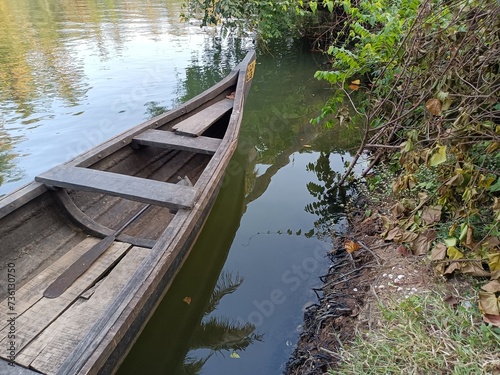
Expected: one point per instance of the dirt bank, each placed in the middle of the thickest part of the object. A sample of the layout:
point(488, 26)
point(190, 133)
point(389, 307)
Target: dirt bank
point(354, 285)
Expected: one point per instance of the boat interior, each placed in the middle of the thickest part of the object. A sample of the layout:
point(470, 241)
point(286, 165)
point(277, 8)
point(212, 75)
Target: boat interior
point(155, 169)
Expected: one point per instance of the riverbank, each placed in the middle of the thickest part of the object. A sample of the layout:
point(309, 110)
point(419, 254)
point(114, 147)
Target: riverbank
point(385, 310)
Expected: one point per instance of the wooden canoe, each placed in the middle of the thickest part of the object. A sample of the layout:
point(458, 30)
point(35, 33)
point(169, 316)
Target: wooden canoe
point(164, 174)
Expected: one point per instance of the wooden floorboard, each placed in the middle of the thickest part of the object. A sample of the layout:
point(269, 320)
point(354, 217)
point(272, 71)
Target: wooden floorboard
point(33, 318)
point(171, 140)
point(195, 125)
point(32, 291)
point(129, 187)
point(49, 350)
point(9, 369)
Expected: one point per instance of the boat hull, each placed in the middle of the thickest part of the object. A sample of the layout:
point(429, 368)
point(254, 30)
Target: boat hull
point(70, 209)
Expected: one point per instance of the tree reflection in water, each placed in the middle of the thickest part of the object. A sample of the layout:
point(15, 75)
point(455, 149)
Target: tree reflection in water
point(218, 334)
point(330, 198)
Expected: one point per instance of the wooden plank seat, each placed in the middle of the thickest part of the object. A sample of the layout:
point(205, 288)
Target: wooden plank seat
point(168, 139)
point(173, 196)
point(195, 125)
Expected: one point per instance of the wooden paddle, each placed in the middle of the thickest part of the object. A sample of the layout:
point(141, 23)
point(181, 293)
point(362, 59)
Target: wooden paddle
point(83, 263)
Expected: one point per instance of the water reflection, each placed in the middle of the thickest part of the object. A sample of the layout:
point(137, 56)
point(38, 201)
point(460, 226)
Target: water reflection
point(327, 207)
point(75, 73)
point(210, 66)
point(181, 337)
point(265, 225)
point(8, 168)
point(218, 334)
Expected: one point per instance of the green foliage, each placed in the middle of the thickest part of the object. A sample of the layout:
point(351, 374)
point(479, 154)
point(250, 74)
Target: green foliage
point(366, 43)
point(268, 19)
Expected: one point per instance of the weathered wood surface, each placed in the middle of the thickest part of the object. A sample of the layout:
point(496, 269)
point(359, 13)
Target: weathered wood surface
point(6, 369)
point(90, 354)
point(91, 226)
point(152, 276)
point(129, 187)
point(49, 350)
point(35, 313)
point(168, 139)
point(201, 121)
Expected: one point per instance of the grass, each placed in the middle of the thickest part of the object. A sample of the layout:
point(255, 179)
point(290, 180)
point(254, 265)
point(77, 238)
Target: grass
point(423, 334)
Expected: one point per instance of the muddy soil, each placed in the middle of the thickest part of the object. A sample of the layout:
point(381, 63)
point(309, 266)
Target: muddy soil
point(355, 284)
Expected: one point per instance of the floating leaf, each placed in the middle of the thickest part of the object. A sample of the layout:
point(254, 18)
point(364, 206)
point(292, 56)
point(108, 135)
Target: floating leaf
point(353, 87)
point(234, 355)
point(356, 82)
point(351, 246)
point(438, 157)
point(434, 106)
point(187, 300)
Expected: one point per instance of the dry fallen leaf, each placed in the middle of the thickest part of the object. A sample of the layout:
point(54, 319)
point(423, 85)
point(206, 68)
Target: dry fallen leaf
point(492, 287)
point(439, 252)
point(488, 303)
point(452, 301)
point(431, 214)
point(351, 246)
point(403, 251)
point(492, 319)
point(422, 244)
point(434, 106)
point(474, 269)
point(187, 300)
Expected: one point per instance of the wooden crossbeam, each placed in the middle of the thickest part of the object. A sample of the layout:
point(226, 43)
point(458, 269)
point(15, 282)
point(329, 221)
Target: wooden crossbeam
point(173, 196)
point(195, 125)
point(168, 139)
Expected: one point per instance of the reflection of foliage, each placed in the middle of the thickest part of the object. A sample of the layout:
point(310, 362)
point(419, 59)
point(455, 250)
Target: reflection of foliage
point(218, 58)
point(193, 366)
point(154, 109)
point(7, 166)
point(219, 334)
point(330, 197)
point(225, 285)
point(38, 61)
